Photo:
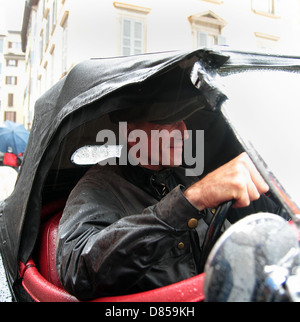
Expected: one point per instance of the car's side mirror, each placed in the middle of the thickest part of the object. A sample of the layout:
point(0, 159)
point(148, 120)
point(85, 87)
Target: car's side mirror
point(253, 261)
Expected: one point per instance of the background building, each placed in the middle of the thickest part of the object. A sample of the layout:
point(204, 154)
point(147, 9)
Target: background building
point(57, 34)
point(2, 38)
point(12, 85)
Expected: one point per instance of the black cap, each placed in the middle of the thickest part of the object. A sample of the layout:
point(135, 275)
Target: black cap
point(165, 99)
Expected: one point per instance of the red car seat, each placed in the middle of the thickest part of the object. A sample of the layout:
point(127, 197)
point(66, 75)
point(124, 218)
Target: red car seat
point(41, 281)
point(47, 259)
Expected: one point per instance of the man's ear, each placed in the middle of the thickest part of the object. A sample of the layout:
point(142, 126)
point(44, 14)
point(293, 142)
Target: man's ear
point(126, 131)
point(130, 127)
point(131, 134)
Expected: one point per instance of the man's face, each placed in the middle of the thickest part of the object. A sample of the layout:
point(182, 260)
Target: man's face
point(163, 143)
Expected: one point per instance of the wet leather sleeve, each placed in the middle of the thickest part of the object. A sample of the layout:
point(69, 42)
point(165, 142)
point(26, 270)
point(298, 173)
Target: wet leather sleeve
point(115, 239)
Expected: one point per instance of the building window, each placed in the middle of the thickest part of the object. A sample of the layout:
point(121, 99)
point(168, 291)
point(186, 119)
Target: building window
point(65, 44)
point(10, 116)
point(10, 100)
point(133, 28)
point(266, 6)
point(207, 29)
point(52, 62)
point(47, 36)
point(41, 45)
point(11, 80)
point(208, 40)
point(266, 41)
point(132, 37)
point(12, 62)
point(54, 14)
point(14, 45)
point(1, 46)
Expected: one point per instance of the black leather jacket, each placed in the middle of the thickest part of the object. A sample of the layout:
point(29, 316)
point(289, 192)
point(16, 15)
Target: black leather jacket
point(127, 229)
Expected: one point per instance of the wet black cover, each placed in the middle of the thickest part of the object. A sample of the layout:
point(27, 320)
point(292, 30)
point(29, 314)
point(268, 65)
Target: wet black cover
point(91, 89)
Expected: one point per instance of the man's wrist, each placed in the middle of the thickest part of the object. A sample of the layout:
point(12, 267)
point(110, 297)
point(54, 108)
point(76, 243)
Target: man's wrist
point(192, 194)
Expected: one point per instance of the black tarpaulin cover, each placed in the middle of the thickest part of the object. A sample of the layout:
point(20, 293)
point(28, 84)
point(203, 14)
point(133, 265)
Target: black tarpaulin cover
point(91, 89)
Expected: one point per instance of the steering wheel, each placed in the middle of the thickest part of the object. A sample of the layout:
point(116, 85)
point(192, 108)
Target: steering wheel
point(213, 231)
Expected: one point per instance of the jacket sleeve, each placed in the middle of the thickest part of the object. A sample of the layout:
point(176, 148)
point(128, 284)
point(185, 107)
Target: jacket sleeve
point(102, 250)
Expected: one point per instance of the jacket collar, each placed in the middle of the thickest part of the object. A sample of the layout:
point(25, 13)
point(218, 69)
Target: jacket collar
point(157, 183)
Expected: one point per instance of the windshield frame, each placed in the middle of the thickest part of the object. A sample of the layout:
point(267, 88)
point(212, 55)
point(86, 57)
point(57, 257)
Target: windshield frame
point(276, 187)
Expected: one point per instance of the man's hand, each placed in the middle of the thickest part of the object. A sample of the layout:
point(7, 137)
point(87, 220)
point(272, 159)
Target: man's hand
point(237, 180)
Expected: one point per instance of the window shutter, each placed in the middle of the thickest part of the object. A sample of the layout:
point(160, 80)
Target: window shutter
point(264, 5)
point(221, 40)
point(202, 39)
point(10, 100)
point(138, 37)
point(132, 37)
point(65, 45)
point(10, 116)
point(126, 36)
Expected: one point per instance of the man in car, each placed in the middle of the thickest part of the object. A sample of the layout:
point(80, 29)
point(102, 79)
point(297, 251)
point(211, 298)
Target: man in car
point(128, 228)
